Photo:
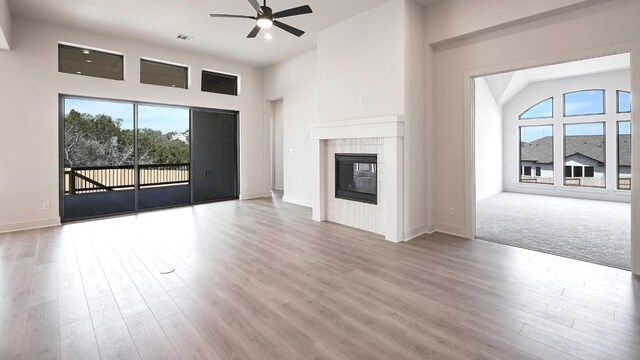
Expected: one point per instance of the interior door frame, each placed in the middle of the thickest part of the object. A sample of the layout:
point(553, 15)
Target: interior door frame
point(136, 104)
point(633, 48)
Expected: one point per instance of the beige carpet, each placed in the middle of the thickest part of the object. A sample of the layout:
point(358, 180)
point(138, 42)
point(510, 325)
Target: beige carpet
point(588, 230)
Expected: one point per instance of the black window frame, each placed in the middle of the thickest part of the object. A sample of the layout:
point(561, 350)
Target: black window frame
point(236, 90)
point(159, 62)
point(536, 104)
point(604, 102)
point(91, 50)
point(538, 171)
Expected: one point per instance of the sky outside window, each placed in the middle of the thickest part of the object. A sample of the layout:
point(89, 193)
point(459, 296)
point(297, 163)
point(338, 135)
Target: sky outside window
point(165, 119)
point(624, 102)
point(589, 102)
point(584, 129)
point(533, 133)
point(543, 109)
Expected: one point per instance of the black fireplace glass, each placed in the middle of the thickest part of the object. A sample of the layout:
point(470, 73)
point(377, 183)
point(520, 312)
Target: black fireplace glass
point(357, 177)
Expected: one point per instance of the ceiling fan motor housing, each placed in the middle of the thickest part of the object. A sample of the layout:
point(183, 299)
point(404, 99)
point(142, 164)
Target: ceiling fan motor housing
point(265, 18)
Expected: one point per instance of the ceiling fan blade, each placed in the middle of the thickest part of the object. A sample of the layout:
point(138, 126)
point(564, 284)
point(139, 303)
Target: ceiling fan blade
point(287, 28)
point(254, 32)
point(232, 16)
point(256, 5)
point(301, 10)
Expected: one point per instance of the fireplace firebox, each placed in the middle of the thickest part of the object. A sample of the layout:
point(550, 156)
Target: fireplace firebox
point(357, 177)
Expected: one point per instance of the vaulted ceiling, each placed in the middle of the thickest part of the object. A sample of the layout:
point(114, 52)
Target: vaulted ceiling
point(160, 21)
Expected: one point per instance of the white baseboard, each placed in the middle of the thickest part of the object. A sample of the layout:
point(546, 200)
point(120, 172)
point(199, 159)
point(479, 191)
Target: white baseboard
point(255, 195)
point(27, 225)
point(296, 201)
point(430, 229)
point(450, 230)
point(415, 232)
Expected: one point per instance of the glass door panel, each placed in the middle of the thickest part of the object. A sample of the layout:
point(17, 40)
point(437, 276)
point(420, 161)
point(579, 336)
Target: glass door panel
point(98, 153)
point(163, 156)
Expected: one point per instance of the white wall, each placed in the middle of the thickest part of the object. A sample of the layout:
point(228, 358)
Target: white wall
point(415, 198)
point(382, 65)
point(5, 25)
point(538, 91)
point(488, 144)
point(451, 19)
point(598, 30)
point(29, 102)
point(357, 59)
point(278, 145)
point(294, 81)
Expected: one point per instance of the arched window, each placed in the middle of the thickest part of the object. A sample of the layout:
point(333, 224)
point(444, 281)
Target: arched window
point(584, 102)
point(541, 110)
point(624, 101)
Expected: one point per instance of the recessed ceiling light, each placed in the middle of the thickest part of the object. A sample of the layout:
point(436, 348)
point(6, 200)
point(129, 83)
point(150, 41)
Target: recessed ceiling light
point(173, 86)
point(86, 52)
point(89, 61)
point(79, 72)
point(268, 36)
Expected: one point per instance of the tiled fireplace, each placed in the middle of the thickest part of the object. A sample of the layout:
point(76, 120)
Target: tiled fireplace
point(371, 194)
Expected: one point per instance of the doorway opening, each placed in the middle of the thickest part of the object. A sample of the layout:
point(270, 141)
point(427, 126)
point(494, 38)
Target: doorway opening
point(277, 148)
point(122, 157)
point(553, 159)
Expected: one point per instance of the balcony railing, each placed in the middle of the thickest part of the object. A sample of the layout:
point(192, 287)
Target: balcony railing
point(83, 180)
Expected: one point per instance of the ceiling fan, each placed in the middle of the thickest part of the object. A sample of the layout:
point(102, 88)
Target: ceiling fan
point(266, 18)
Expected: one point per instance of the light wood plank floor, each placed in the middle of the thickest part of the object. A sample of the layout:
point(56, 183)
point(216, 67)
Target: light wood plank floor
point(259, 280)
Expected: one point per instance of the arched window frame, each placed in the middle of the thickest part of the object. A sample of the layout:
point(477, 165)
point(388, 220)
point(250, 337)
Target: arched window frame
point(536, 104)
point(604, 102)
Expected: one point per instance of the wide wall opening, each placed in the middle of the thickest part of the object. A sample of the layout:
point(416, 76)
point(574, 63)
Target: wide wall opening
point(553, 159)
point(121, 157)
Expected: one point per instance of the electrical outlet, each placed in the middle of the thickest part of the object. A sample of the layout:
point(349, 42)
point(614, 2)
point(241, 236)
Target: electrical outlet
point(46, 206)
point(291, 151)
point(452, 211)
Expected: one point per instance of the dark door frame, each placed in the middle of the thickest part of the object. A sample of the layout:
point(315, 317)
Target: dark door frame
point(136, 104)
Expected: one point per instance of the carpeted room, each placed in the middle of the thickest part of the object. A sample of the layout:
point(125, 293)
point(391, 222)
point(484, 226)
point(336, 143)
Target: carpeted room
point(553, 159)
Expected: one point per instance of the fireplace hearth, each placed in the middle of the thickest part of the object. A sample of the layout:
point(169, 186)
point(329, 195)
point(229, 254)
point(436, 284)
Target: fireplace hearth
point(356, 177)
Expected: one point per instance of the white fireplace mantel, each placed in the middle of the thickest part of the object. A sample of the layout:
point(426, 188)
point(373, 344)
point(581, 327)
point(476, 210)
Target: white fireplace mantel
point(391, 128)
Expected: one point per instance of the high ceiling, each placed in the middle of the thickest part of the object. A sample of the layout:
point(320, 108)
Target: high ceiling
point(505, 86)
point(160, 21)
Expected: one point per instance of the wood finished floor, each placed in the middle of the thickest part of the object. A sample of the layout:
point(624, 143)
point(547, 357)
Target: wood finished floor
point(260, 280)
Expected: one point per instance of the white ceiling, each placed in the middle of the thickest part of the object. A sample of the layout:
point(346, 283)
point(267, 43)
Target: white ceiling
point(505, 86)
point(160, 21)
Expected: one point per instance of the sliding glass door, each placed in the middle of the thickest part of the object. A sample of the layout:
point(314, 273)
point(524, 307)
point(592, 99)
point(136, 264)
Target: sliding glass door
point(163, 156)
point(121, 157)
point(98, 158)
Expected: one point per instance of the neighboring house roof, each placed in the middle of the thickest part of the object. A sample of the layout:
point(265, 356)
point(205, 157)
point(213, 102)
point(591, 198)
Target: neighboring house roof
point(625, 150)
point(541, 151)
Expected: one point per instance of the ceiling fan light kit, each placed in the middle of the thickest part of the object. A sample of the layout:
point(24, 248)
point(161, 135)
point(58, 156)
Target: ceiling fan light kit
point(266, 18)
